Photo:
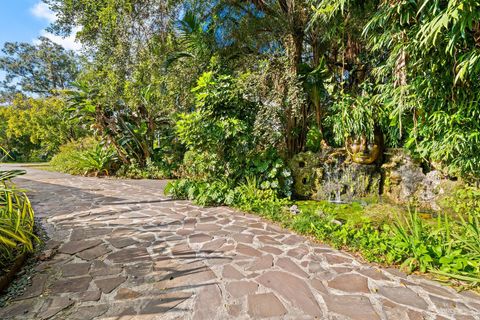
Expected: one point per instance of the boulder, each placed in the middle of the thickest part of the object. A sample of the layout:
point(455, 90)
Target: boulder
point(405, 182)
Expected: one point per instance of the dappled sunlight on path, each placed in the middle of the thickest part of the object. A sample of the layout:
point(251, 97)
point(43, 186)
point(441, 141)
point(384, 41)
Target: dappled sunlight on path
point(121, 250)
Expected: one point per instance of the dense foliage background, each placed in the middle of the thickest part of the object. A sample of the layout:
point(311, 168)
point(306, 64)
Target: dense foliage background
point(286, 74)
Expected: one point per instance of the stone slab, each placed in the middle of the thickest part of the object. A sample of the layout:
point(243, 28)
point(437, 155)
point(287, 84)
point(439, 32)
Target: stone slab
point(292, 289)
point(109, 284)
point(71, 285)
point(73, 247)
point(265, 305)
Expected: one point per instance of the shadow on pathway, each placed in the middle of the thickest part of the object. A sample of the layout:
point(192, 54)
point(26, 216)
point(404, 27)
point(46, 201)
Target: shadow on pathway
point(121, 250)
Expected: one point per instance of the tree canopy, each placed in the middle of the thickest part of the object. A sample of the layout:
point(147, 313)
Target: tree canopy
point(41, 68)
point(318, 71)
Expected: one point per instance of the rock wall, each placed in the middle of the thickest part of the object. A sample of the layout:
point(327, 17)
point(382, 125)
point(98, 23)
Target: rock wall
point(331, 175)
point(404, 182)
point(304, 168)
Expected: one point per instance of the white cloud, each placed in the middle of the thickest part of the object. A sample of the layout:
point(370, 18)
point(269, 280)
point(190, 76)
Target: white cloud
point(42, 11)
point(67, 42)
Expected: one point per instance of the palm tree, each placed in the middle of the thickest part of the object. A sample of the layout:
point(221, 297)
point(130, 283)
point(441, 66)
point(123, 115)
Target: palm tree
point(196, 41)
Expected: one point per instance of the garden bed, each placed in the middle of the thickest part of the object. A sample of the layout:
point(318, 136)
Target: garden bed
point(7, 275)
point(18, 233)
point(444, 246)
point(14, 283)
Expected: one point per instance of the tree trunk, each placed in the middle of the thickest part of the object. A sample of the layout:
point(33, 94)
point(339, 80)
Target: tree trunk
point(317, 53)
point(296, 120)
point(476, 34)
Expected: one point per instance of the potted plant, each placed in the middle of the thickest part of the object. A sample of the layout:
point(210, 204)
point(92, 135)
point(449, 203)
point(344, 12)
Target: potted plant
point(357, 125)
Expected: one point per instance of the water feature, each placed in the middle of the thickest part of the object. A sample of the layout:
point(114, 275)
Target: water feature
point(331, 176)
point(334, 181)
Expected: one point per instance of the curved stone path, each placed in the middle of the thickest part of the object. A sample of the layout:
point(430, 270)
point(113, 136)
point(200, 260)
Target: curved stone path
point(119, 249)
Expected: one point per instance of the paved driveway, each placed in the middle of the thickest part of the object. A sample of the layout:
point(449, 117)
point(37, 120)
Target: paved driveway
point(121, 250)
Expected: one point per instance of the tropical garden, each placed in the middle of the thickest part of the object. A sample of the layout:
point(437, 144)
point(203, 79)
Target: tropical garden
point(223, 97)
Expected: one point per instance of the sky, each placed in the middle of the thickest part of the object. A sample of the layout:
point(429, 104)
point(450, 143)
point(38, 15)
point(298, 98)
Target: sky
point(25, 21)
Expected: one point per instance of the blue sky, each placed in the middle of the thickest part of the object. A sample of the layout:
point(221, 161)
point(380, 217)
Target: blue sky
point(25, 21)
point(18, 23)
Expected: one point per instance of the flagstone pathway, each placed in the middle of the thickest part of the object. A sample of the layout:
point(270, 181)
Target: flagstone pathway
point(119, 249)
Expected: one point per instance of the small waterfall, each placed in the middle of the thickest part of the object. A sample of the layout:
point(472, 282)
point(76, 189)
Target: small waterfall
point(335, 184)
point(332, 176)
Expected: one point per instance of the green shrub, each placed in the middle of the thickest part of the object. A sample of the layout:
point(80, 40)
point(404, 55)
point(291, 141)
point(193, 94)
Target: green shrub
point(203, 193)
point(218, 133)
point(150, 171)
point(85, 157)
point(66, 160)
point(271, 172)
point(201, 166)
point(220, 143)
point(251, 197)
point(465, 200)
point(448, 247)
point(97, 161)
point(16, 220)
point(314, 139)
point(248, 196)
